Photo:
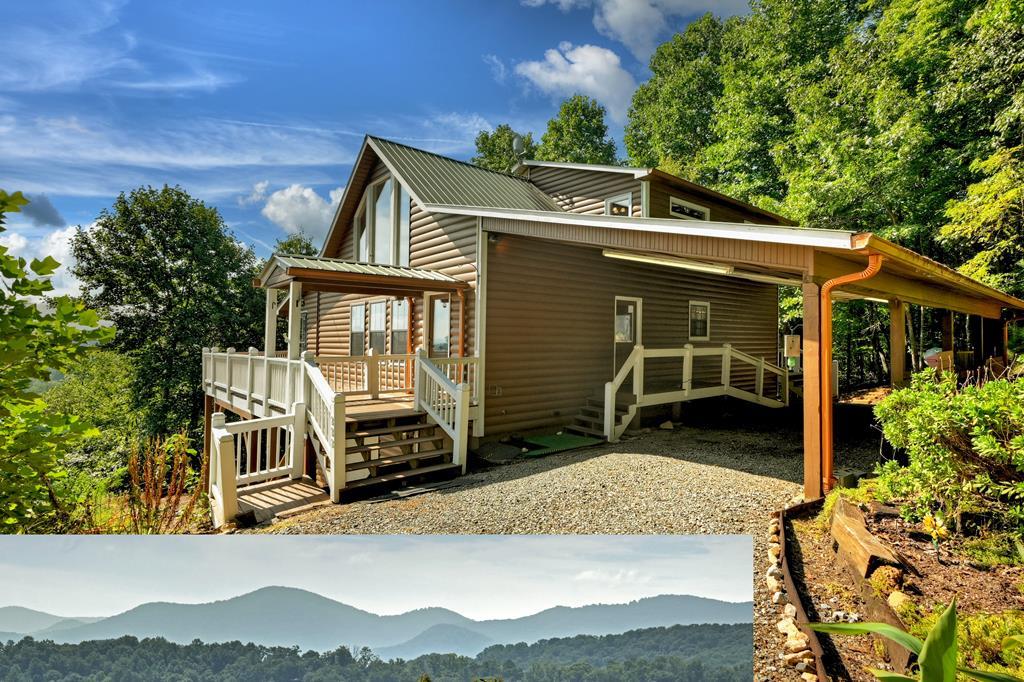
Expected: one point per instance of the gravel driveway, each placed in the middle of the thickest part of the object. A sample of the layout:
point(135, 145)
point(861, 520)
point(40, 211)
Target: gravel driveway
point(686, 481)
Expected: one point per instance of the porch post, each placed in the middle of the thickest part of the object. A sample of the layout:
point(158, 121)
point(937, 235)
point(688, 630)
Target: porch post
point(270, 324)
point(897, 342)
point(294, 301)
point(947, 331)
point(812, 391)
point(462, 324)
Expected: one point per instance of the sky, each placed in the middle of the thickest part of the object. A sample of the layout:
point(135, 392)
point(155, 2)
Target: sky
point(259, 108)
point(480, 577)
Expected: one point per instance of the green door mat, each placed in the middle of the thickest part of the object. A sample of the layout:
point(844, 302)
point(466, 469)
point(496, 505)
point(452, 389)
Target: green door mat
point(546, 445)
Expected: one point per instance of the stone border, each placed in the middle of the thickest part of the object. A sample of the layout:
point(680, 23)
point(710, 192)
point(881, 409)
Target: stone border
point(801, 650)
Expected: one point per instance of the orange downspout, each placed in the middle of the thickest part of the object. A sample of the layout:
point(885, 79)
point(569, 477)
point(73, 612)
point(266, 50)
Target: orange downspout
point(825, 350)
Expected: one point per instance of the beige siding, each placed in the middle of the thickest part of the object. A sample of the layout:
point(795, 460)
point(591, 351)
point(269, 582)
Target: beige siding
point(584, 191)
point(445, 243)
point(549, 328)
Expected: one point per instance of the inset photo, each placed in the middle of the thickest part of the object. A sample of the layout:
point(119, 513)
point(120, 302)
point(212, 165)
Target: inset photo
point(417, 608)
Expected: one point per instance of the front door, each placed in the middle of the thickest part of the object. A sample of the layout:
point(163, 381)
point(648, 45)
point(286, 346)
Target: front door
point(627, 331)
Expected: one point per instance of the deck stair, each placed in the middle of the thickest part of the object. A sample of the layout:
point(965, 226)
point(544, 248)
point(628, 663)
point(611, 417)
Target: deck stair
point(394, 450)
point(590, 419)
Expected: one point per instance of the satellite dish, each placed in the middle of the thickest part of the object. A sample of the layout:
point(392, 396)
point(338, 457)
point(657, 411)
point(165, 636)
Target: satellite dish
point(518, 148)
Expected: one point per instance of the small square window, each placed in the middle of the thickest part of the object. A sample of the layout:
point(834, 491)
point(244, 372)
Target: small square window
point(621, 205)
point(700, 321)
point(679, 208)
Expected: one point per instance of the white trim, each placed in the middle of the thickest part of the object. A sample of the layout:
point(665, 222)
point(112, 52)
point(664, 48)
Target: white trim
point(628, 170)
point(779, 234)
point(628, 196)
point(428, 318)
point(645, 198)
point(689, 204)
point(480, 335)
point(638, 333)
point(689, 321)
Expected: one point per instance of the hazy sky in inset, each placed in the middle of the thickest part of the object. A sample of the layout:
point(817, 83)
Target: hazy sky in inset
point(478, 576)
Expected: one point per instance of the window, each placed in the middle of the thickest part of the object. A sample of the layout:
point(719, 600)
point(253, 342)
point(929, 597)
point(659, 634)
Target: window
point(624, 327)
point(357, 330)
point(621, 205)
point(378, 327)
point(304, 330)
point(700, 321)
point(399, 326)
point(381, 225)
point(678, 208)
point(440, 326)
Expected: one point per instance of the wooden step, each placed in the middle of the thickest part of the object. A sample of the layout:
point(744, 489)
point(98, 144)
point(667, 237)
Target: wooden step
point(393, 443)
point(599, 411)
point(401, 475)
point(585, 430)
point(401, 428)
point(589, 420)
point(396, 459)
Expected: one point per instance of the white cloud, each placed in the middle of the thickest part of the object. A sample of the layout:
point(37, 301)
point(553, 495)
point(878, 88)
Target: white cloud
point(259, 193)
point(642, 24)
point(612, 578)
point(56, 243)
point(587, 69)
point(297, 207)
point(498, 69)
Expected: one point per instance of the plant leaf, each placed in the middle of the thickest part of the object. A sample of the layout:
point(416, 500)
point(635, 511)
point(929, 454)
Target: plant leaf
point(904, 639)
point(1013, 641)
point(988, 675)
point(887, 675)
point(938, 655)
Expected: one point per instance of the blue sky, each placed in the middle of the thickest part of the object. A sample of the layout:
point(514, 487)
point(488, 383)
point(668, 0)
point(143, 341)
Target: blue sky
point(259, 107)
point(536, 572)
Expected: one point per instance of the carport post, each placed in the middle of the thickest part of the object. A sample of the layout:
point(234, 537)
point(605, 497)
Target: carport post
point(812, 392)
point(897, 342)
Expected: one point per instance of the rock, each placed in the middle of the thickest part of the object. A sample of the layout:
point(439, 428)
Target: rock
point(774, 584)
point(886, 579)
point(774, 552)
point(780, 598)
point(795, 643)
point(852, 617)
point(787, 625)
point(794, 658)
point(802, 666)
point(774, 572)
point(900, 602)
point(666, 426)
point(789, 611)
point(809, 677)
point(838, 615)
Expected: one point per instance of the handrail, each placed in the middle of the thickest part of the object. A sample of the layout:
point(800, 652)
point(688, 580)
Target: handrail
point(444, 401)
point(634, 364)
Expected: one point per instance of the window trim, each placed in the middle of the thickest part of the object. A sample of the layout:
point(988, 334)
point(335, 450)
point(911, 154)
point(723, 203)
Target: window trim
point(689, 320)
point(394, 316)
point(367, 206)
point(689, 204)
point(351, 331)
point(432, 320)
point(628, 196)
point(369, 327)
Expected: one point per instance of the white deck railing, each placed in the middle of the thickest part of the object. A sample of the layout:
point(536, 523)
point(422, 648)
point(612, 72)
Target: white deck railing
point(634, 367)
point(446, 402)
point(375, 375)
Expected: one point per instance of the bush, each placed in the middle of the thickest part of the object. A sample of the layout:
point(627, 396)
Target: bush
point(965, 448)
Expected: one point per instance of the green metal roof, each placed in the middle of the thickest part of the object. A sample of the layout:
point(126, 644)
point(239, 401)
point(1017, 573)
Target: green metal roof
point(440, 181)
point(286, 262)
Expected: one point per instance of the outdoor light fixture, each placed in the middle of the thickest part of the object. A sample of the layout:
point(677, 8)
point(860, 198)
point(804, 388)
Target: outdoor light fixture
point(698, 266)
point(767, 279)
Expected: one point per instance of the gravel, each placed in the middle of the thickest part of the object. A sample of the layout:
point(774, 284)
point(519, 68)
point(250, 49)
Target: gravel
point(685, 481)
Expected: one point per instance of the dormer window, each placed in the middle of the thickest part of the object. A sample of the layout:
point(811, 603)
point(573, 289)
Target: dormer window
point(687, 210)
point(621, 205)
point(381, 225)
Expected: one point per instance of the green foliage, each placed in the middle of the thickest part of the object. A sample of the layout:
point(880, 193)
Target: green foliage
point(578, 134)
point(173, 279)
point(38, 336)
point(98, 390)
point(297, 244)
point(985, 641)
point(965, 445)
point(494, 148)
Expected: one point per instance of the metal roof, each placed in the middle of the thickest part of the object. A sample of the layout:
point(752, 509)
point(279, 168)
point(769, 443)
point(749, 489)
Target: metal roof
point(435, 179)
point(336, 265)
point(635, 171)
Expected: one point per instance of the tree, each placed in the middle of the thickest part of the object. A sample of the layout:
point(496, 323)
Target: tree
point(173, 279)
point(494, 149)
point(297, 244)
point(37, 337)
point(671, 119)
point(578, 134)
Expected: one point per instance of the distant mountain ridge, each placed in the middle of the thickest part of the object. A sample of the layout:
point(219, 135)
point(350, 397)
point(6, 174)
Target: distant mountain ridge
point(283, 616)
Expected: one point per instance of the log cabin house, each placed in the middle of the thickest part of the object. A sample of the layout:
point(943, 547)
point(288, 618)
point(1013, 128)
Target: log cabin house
point(450, 305)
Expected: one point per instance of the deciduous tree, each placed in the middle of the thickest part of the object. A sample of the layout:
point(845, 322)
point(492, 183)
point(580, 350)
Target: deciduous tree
point(578, 134)
point(494, 149)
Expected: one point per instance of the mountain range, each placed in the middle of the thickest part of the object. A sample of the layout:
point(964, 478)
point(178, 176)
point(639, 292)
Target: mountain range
point(283, 616)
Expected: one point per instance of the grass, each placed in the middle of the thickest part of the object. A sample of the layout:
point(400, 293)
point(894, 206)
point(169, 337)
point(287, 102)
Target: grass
point(980, 638)
point(862, 494)
point(991, 550)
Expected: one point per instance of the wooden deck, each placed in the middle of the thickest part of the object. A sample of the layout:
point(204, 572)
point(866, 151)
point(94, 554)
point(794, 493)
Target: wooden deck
point(385, 407)
point(280, 498)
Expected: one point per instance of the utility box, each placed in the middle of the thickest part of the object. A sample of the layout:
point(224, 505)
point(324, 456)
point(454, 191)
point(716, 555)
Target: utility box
point(791, 352)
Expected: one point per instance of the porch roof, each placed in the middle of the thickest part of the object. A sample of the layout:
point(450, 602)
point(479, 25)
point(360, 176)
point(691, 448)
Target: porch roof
point(333, 274)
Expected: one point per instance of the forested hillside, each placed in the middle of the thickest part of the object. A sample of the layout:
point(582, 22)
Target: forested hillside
point(724, 656)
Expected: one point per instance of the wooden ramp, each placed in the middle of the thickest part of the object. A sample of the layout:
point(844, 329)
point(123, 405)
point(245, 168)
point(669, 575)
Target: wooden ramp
point(280, 498)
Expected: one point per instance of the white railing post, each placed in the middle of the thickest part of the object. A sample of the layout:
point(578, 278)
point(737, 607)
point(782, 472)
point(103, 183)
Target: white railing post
point(638, 374)
point(226, 507)
point(417, 395)
point(337, 449)
point(687, 368)
point(297, 445)
point(294, 318)
point(229, 382)
point(461, 441)
point(373, 374)
point(270, 324)
point(305, 391)
point(609, 412)
point(726, 364)
point(251, 371)
point(206, 369)
point(759, 379)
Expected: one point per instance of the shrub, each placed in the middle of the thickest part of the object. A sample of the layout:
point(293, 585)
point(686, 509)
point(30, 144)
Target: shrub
point(159, 499)
point(965, 448)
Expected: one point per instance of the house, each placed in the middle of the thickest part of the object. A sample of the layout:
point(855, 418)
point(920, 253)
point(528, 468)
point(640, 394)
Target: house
point(452, 304)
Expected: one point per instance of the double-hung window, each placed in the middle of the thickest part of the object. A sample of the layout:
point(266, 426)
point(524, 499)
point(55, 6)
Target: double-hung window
point(700, 321)
point(378, 327)
point(357, 330)
point(440, 326)
point(381, 225)
point(399, 326)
